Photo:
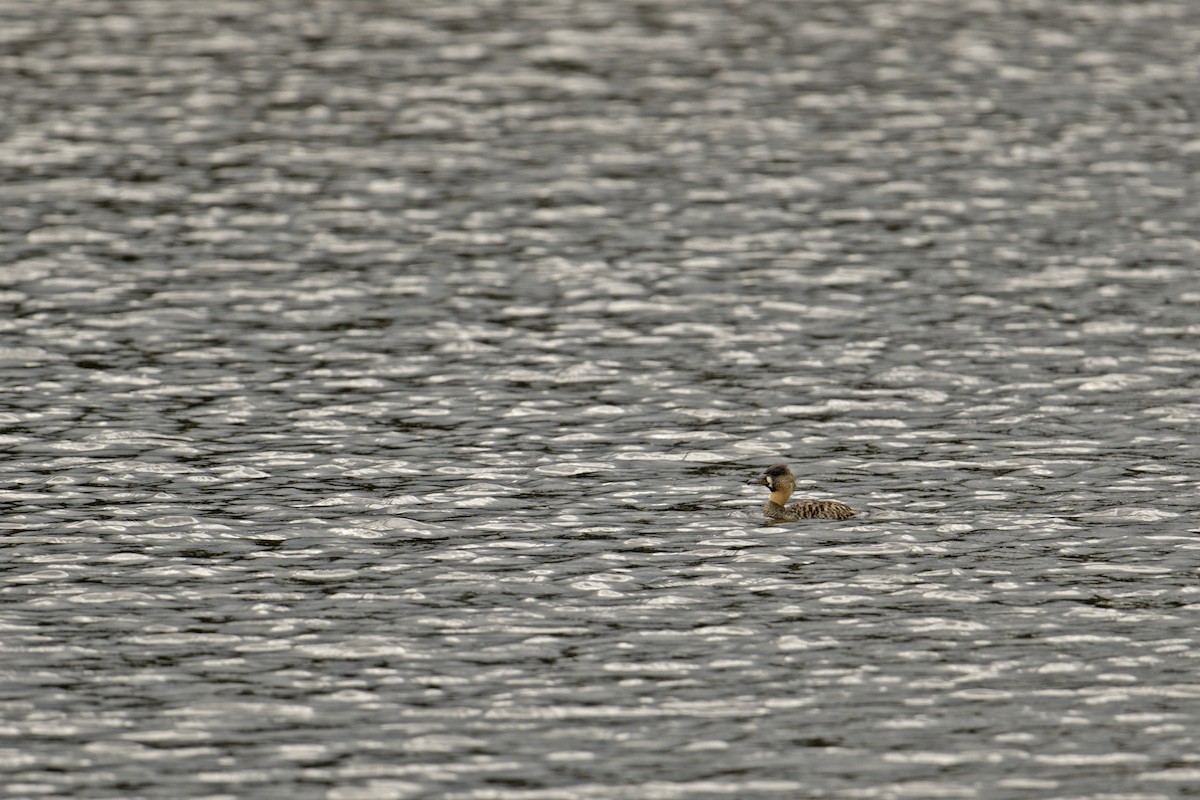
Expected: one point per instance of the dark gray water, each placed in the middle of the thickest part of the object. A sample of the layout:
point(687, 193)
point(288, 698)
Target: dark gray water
point(381, 381)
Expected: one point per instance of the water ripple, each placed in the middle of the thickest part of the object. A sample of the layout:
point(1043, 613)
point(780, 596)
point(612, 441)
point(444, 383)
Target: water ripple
point(383, 390)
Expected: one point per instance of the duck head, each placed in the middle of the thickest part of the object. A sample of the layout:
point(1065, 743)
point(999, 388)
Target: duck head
point(780, 480)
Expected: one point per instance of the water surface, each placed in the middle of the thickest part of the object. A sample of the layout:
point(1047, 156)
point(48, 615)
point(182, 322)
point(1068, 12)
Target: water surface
point(383, 380)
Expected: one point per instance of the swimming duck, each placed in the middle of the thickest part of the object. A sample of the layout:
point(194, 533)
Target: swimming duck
point(780, 480)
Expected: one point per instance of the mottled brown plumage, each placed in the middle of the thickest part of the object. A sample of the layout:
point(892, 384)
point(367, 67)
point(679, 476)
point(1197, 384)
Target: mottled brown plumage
point(780, 480)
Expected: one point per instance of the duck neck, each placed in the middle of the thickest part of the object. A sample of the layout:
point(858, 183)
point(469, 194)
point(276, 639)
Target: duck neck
point(780, 496)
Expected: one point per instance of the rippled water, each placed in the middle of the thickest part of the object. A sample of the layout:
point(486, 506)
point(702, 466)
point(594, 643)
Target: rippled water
point(382, 381)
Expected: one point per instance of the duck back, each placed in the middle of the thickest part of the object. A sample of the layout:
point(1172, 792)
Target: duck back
point(808, 509)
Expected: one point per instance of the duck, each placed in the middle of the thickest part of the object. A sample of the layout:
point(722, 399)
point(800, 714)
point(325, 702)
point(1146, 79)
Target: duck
point(780, 480)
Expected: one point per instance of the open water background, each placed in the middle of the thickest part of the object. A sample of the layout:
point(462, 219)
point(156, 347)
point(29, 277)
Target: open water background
point(380, 381)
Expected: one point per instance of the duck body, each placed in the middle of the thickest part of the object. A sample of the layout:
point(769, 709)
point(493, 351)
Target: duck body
point(780, 480)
